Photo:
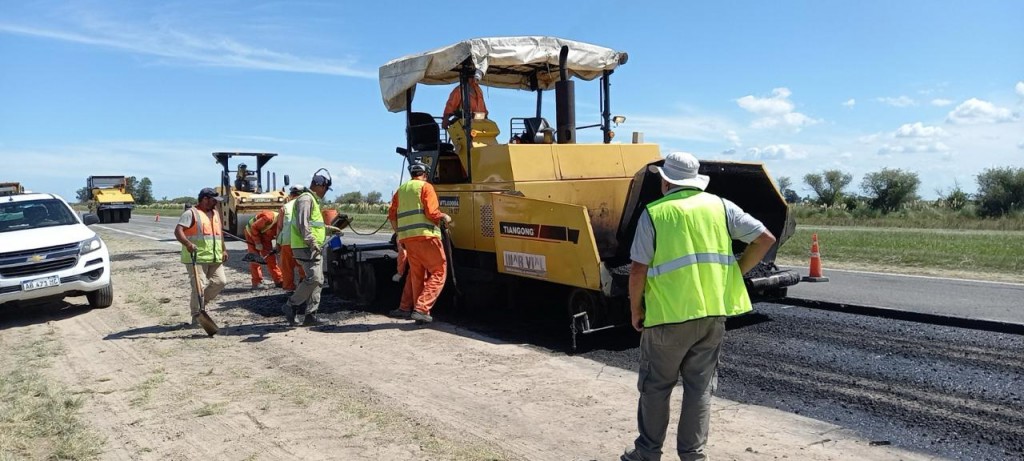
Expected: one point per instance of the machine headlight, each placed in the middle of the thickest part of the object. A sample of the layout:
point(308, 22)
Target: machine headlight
point(91, 245)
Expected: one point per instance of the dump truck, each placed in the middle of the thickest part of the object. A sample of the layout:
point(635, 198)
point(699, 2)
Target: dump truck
point(243, 190)
point(543, 206)
point(109, 198)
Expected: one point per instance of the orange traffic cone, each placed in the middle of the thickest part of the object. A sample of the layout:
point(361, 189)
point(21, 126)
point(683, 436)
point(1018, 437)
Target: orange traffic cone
point(157, 217)
point(814, 274)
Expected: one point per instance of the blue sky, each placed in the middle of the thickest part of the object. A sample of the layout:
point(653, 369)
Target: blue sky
point(150, 89)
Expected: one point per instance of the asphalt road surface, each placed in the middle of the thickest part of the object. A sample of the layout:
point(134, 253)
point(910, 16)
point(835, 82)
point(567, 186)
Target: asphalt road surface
point(973, 299)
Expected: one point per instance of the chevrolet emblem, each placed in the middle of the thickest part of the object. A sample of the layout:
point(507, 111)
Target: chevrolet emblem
point(36, 258)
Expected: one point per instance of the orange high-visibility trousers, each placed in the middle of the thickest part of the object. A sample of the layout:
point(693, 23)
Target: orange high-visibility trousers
point(427, 271)
point(288, 266)
point(255, 270)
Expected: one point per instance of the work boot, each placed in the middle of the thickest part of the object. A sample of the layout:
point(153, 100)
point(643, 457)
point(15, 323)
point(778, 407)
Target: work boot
point(289, 313)
point(311, 321)
point(399, 313)
point(631, 455)
point(421, 318)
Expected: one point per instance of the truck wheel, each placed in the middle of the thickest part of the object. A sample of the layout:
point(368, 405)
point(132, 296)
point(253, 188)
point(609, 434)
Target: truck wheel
point(101, 298)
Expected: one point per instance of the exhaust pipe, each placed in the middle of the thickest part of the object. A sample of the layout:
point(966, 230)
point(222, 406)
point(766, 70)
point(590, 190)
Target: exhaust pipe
point(565, 102)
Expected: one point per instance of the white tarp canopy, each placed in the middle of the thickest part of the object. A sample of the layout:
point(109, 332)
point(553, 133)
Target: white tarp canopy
point(505, 62)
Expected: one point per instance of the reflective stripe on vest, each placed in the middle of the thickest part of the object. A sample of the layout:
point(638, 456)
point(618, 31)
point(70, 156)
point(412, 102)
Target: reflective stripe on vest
point(412, 218)
point(694, 273)
point(316, 224)
point(252, 220)
point(284, 237)
point(206, 236)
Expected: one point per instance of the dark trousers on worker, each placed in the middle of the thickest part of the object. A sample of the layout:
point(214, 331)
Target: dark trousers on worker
point(309, 289)
point(690, 350)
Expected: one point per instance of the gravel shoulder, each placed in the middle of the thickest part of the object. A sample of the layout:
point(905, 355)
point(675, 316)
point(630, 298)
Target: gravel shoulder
point(362, 387)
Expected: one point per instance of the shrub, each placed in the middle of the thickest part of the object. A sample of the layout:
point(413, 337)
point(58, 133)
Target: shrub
point(1000, 191)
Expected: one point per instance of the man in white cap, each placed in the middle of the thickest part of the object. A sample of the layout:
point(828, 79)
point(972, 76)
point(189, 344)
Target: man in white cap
point(683, 283)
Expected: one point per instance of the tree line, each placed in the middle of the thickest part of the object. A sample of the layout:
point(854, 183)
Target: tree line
point(1000, 191)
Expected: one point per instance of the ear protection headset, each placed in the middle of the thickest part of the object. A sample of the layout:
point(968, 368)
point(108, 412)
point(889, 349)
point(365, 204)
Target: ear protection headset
point(327, 174)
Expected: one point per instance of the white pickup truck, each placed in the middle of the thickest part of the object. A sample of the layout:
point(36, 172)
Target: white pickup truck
point(47, 253)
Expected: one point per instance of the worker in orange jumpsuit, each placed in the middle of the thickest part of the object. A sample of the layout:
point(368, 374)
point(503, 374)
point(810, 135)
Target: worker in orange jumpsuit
point(260, 234)
point(405, 305)
point(284, 243)
point(414, 215)
point(476, 102)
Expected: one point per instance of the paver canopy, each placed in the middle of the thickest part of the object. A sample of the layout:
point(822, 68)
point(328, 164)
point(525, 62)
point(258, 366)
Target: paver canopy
point(504, 62)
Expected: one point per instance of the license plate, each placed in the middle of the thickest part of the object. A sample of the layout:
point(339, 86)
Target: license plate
point(36, 284)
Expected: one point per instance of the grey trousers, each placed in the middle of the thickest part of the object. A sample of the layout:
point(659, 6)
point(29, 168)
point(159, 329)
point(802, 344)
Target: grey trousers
point(690, 350)
point(309, 290)
point(213, 282)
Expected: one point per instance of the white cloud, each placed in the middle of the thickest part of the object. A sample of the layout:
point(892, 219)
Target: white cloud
point(976, 111)
point(919, 130)
point(775, 152)
point(850, 102)
point(705, 128)
point(733, 138)
point(869, 138)
point(186, 48)
point(1020, 145)
point(729, 152)
point(777, 104)
point(901, 101)
point(916, 148)
point(1020, 88)
point(939, 102)
point(776, 111)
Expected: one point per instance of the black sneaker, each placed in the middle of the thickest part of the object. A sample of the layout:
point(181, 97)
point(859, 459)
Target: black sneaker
point(289, 313)
point(311, 321)
point(400, 314)
point(421, 318)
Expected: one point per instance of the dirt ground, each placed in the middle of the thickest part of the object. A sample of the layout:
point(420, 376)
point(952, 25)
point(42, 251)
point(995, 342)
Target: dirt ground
point(362, 387)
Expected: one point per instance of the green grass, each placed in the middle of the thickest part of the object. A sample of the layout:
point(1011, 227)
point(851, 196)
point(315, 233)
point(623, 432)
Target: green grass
point(999, 252)
point(38, 419)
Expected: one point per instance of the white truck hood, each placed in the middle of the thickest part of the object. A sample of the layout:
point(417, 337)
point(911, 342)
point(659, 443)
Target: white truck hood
point(30, 239)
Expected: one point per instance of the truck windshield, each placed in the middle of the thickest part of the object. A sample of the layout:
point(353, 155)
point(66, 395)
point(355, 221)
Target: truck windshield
point(32, 214)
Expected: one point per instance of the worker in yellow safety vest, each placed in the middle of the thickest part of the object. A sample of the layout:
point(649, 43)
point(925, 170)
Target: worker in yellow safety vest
point(683, 283)
point(308, 232)
point(415, 215)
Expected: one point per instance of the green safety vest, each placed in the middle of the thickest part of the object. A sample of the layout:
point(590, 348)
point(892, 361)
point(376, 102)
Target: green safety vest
point(206, 236)
point(694, 273)
point(284, 238)
point(412, 220)
point(316, 222)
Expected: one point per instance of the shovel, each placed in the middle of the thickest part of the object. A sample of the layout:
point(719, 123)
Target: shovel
point(204, 319)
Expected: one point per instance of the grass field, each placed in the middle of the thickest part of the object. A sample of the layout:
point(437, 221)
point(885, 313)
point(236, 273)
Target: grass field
point(977, 251)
